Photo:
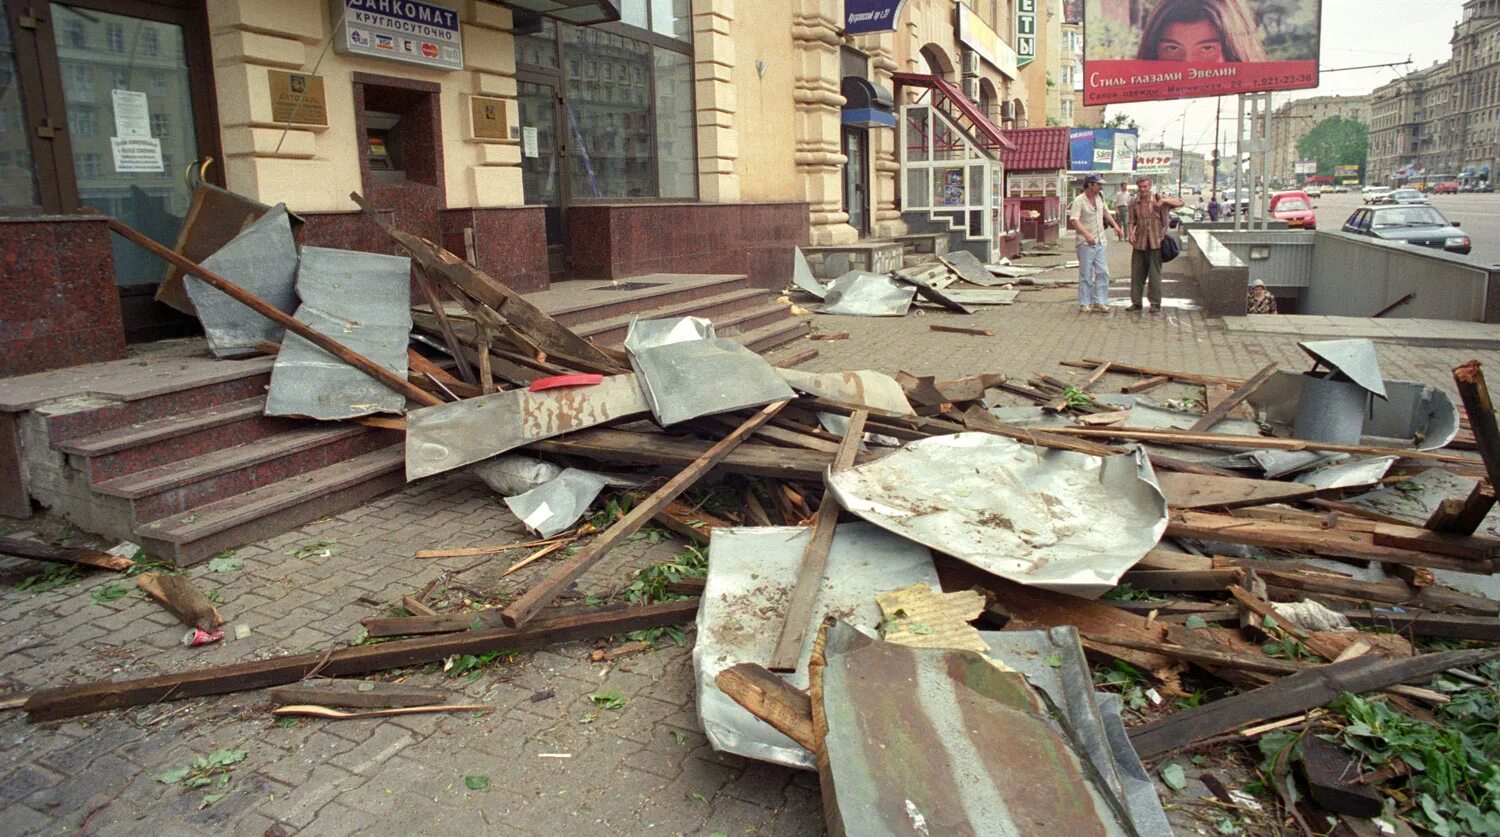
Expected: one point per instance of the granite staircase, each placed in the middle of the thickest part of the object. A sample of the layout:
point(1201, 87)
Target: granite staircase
point(171, 450)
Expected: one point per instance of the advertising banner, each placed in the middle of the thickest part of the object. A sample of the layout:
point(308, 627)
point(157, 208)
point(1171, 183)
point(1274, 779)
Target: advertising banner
point(1347, 172)
point(1178, 49)
point(862, 16)
point(1305, 167)
point(1155, 161)
point(1025, 32)
point(401, 30)
point(1101, 149)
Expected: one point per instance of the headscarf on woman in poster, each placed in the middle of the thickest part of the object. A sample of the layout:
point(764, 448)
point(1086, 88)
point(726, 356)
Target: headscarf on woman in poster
point(1201, 31)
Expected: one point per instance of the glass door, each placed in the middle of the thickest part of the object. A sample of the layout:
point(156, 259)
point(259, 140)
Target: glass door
point(856, 179)
point(542, 174)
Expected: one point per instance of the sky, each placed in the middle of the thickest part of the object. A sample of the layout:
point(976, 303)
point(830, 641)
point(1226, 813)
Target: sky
point(1355, 33)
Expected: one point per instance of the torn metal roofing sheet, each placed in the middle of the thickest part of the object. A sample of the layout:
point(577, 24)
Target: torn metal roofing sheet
point(751, 574)
point(802, 275)
point(1330, 410)
point(866, 388)
point(983, 297)
point(861, 294)
point(1410, 411)
point(362, 300)
point(968, 267)
point(1349, 474)
point(683, 381)
point(447, 436)
point(936, 741)
point(1354, 358)
point(263, 261)
point(647, 334)
point(1056, 519)
point(556, 505)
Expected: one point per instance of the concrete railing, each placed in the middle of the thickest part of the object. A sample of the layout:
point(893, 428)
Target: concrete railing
point(1223, 277)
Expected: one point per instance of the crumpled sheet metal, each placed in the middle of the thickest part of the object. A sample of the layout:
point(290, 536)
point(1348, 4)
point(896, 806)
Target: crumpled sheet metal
point(802, 275)
point(838, 425)
point(751, 573)
point(861, 294)
point(556, 505)
point(1091, 719)
point(647, 334)
point(1055, 519)
point(362, 300)
point(1008, 272)
point(968, 267)
point(510, 474)
point(697, 378)
point(263, 261)
point(1409, 409)
point(1349, 474)
point(1274, 463)
point(1330, 410)
point(983, 297)
point(866, 388)
point(1354, 358)
point(447, 436)
point(935, 741)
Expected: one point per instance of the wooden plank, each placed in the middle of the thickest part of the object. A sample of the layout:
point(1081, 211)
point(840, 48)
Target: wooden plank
point(1291, 575)
point(628, 447)
point(414, 607)
point(798, 610)
point(445, 325)
point(1290, 695)
point(1183, 581)
point(1099, 372)
point(1221, 410)
point(1142, 386)
point(38, 551)
point(178, 595)
point(973, 332)
point(1415, 623)
point(1195, 491)
point(829, 335)
point(87, 698)
point(773, 700)
point(1469, 378)
point(1217, 659)
point(694, 524)
point(1332, 779)
point(1476, 507)
point(1262, 609)
point(281, 318)
point(1334, 543)
point(360, 694)
point(516, 613)
point(979, 419)
point(1178, 437)
point(418, 364)
point(1150, 372)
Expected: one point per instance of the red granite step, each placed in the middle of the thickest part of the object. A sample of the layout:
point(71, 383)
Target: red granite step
point(271, 509)
point(578, 301)
point(776, 334)
point(231, 381)
point(611, 331)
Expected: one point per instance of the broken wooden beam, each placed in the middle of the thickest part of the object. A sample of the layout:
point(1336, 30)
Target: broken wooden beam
point(1180, 437)
point(773, 700)
point(37, 551)
point(516, 613)
point(973, 332)
point(1147, 371)
point(1315, 686)
point(1332, 776)
point(1331, 543)
point(178, 595)
point(279, 317)
point(360, 694)
point(1142, 386)
point(1220, 410)
point(798, 610)
point(1195, 491)
point(86, 698)
point(627, 447)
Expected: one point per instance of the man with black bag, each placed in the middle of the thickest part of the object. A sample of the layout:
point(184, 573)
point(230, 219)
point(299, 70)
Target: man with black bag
point(1148, 229)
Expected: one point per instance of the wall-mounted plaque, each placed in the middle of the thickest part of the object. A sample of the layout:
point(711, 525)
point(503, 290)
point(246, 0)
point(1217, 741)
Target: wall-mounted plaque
point(297, 98)
point(489, 118)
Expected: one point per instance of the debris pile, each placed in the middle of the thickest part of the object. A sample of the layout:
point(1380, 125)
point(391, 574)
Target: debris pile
point(918, 572)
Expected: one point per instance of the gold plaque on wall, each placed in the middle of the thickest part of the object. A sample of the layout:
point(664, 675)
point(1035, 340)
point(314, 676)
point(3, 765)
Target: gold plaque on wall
point(297, 98)
point(489, 118)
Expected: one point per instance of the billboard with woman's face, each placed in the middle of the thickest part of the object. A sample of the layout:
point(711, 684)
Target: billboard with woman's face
point(1145, 50)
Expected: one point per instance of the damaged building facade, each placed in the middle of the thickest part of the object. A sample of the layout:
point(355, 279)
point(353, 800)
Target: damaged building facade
point(699, 137)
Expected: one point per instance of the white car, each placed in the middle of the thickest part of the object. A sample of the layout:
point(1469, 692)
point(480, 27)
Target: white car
point(1376, 194)
point(1409, 196)
point(1314, 191)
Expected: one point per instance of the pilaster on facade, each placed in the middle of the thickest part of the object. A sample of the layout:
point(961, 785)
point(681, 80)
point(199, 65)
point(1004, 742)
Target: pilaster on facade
point(490, 60)
point(713, 69)
point(887, 222)
point(819, 159)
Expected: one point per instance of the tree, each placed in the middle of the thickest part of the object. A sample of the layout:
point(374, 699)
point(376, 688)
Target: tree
point(1121, 121)
point(1336, 141)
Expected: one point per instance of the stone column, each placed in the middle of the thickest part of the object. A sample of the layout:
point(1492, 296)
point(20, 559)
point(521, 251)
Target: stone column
point(881, 48)
point(820, 161)
point(713, 68)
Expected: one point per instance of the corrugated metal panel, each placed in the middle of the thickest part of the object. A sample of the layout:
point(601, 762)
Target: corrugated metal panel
point(1290, 260)
point(1357, 276)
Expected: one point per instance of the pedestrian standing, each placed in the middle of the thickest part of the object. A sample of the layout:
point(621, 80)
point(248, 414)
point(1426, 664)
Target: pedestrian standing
point(1213, 209)
point(1260, 300)
point(1122, 209)
point(1088, 215)
point(1148, 227)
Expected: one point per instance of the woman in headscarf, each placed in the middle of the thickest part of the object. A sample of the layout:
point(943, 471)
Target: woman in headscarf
point(1202, 32)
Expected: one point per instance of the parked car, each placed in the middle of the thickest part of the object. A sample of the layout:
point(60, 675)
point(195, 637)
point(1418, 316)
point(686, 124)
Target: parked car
point(1416, 224)
point(1295, 208)
point(1447, 187)
point(1375, 194)
point(1404, 196)
point(1484, 186)
point(1313, 191)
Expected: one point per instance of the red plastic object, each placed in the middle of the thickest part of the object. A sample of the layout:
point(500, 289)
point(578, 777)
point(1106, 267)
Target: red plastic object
point(583, 379)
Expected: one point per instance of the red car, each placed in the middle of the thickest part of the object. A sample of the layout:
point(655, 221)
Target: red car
point(1295, 208)
point(1447, 187)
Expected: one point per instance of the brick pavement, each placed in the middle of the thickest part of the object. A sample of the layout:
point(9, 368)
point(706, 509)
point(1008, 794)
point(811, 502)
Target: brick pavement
point(645, 768)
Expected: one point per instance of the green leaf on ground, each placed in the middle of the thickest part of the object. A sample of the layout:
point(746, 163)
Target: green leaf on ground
point(1173, 777)
point(209, 799)
point(477, 783)
point(1054, 660)
point(50, 578)
point(108, 593)
point(225, 563)
point(1195, 622)
point(319, 549)
point(611, 699)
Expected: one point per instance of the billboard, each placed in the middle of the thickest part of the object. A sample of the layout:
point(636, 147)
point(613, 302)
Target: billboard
point(1305, 167)
point(1347, 172)
point(1101, 149)
point(1155, 161)
point(1179, 49)
point(410, 31)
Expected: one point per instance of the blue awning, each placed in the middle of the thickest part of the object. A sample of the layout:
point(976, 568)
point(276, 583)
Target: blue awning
point(1469, 171)
point(869, 118)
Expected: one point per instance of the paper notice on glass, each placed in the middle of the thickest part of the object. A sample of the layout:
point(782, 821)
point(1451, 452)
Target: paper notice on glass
point(132, 114)
point(528, 142)
point(135, 154)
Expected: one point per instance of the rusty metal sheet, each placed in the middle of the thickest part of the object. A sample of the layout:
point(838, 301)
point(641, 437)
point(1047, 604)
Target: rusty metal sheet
point(448, 436)
point(1055, 519)
point(935, 741)
point(875, 390)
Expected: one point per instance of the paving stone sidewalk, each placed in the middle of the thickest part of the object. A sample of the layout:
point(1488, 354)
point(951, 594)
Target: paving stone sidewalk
point(555, 761)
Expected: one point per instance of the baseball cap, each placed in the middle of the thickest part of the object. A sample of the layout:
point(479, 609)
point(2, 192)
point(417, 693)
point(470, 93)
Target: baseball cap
point(1257, 283)
point(1093, 178)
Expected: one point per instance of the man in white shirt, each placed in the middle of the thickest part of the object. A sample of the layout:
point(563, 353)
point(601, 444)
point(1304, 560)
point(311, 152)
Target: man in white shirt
point(1088, 215)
